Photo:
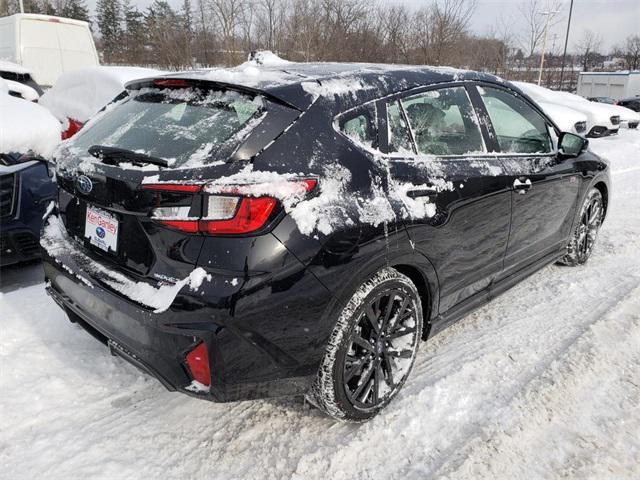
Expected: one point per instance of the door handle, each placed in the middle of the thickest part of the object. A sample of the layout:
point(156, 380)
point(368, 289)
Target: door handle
point(423, 192)
point(522, 185)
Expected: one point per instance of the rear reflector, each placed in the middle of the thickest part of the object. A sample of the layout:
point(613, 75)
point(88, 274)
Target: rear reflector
point(198, 363)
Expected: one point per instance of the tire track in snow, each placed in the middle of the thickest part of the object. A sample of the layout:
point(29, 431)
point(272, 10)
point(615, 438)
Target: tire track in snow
point(548, 394)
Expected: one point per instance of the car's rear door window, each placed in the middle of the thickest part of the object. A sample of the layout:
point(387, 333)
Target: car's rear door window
point(184, 126)
point(518, 126)
point(444, 122)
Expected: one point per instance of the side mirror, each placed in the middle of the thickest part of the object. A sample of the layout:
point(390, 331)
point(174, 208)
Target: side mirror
point(571, 145)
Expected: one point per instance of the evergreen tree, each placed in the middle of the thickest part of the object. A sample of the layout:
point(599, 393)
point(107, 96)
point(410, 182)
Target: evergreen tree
point(134, 33)
point(108, 16)
point(75, 9)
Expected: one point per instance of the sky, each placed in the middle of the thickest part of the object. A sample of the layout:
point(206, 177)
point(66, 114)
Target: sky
point(613, 20)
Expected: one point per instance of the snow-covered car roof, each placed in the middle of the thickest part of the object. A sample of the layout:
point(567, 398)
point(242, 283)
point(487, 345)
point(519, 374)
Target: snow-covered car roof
point(299, 84)
point(26, 126)
point(79, 94)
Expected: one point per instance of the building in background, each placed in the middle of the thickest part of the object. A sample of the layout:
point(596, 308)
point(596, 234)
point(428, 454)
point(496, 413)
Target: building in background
point(615, 85)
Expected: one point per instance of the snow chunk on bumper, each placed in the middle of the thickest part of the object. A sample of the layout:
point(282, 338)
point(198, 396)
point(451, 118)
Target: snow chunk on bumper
point(58, 245)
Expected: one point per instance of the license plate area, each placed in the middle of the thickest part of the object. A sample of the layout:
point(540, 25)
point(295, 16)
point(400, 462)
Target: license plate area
point(101, 229)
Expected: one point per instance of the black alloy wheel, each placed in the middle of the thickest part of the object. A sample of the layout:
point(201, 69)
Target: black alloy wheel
point(372, 348)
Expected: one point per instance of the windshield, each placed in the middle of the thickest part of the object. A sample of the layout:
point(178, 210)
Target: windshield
point(186, 127)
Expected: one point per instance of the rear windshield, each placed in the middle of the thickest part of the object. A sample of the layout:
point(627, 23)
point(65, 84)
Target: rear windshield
point(186, 127)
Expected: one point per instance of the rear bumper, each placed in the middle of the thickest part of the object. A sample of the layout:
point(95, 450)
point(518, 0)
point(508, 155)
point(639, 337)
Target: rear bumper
point(252, 353)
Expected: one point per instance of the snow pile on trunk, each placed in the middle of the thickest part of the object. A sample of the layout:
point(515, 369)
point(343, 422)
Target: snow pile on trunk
point(27, 127)
point(79, 94)
point(55, 241)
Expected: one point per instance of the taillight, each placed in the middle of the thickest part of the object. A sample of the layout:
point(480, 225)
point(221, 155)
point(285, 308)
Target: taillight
point(251, 215)
point(228, 209)
point(197, 361)
point(73, 128)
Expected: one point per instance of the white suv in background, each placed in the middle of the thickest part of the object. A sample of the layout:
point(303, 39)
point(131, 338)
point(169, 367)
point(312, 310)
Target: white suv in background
point(602, 120)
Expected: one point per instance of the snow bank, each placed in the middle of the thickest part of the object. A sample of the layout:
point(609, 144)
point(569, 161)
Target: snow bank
point(79, 94)
point(55, 241)
point(26, 127)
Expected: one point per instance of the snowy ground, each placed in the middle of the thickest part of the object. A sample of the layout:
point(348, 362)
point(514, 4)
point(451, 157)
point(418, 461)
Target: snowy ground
point(542, 383)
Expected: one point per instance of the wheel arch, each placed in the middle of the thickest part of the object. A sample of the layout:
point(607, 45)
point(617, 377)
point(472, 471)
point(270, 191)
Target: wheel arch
point(604, 191)
point(426, 296)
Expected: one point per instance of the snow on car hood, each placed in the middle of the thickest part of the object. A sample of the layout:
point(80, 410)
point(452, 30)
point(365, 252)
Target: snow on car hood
point(598, 113)
point(27, 127)
point(626, 114)
point(7, 66)
point(564, 117)
point(80, 94)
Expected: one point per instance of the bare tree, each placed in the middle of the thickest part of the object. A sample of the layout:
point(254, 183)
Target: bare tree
point(531, 11)
point(421, 27)
point(449, 21)
point(588, 48)
point(630, 52)
point(393, 21)
point(270, 22)
point(228, 14)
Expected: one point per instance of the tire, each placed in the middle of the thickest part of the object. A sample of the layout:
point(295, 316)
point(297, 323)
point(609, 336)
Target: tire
point(353, 382)
point(586, 231)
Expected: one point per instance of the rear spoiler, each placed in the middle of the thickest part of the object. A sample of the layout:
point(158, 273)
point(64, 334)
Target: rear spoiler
point(182, 82)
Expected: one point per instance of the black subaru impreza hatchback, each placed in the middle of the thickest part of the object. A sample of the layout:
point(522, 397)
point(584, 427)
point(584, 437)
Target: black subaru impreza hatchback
point(299, 228)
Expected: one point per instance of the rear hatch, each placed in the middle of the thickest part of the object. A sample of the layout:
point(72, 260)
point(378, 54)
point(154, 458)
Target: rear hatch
point(131, 182)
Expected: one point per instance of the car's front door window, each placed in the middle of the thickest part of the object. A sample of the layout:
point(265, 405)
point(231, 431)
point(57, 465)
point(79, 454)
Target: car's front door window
point(519, 128)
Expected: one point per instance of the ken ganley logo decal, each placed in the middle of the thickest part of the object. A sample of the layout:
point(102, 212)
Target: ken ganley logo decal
point(84, 184)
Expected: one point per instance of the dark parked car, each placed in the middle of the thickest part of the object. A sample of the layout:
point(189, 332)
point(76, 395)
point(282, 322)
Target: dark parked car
point(26, 189)
point(298, 229)
point(632, 103)
point(607, 100)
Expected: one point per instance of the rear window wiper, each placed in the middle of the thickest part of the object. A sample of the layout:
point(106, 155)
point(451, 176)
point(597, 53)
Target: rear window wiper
point(114, 155)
